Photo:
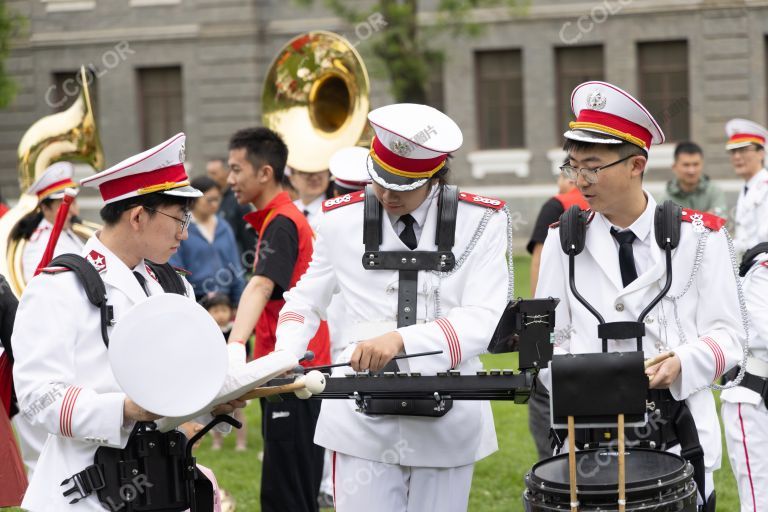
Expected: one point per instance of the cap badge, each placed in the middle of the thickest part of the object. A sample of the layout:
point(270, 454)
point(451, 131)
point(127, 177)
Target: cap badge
point(399, 147)
point(596, 100)
point(182, 153)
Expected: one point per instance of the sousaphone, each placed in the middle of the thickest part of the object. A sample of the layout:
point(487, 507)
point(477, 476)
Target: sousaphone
point(316, 96)
point(71, 136)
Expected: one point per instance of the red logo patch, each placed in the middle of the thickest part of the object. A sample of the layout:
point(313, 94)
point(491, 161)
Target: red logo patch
point(702, 219)
point(487, 202)
point(97, 260)
point(338, 202)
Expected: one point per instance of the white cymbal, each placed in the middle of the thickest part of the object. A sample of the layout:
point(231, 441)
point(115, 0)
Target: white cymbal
point(168, 355)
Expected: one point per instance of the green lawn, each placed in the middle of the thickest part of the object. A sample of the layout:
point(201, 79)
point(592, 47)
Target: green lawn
point(498, 479)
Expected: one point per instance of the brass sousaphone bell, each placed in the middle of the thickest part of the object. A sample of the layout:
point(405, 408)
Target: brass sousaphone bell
point(316, 96)
point(71, 136)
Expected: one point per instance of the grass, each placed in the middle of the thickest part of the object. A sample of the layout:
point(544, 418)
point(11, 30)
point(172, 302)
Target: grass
point(498, 480)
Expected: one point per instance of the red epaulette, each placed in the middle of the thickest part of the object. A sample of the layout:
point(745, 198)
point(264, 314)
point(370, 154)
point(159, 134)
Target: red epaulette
point(487, 202)
point(338, 202)
point(708, 220)
point(54, 270)
point(182, 271)
point(556, 224)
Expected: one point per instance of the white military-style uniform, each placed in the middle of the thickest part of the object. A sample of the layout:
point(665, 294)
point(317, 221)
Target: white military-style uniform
point(63, 378)
point(313, 211)
point(751, 213)
point(456, 313)
point(711, 332)
point(745, 413)
point(35, 247)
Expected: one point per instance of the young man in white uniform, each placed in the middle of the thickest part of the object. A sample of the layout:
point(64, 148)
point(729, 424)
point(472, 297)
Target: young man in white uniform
point(621, 268)
point(394, 462)
point(62, 373)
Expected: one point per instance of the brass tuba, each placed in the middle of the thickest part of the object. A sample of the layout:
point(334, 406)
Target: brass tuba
point(69, 135)
point(316, 96)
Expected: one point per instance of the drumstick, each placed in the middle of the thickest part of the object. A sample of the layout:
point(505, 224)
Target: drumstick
point(312, 383)
point(349, 363)
point(657, 359)
point(572, 463)
point(622, 474)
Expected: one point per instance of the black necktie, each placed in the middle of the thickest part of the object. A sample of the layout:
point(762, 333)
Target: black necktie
point(746, 189)
point(408, 235)
point(142, 282)
point(306, 213)
point(626, 256)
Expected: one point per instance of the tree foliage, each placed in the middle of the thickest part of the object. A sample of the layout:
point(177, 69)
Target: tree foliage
point(405, 41)
point(9, 24)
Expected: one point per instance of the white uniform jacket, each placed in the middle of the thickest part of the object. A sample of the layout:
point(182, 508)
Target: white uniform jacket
point(470, 300)
point(68, 242)
point(755, 286)
point(62, 373)
point(708, 312)
point(751, 213)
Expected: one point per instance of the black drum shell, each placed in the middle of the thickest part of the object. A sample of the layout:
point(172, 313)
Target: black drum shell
point(656, 481)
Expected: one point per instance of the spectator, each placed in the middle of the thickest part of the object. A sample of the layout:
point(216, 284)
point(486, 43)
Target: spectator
point(690, 188)
point(218, 170)
point(312, 188)
point(210, 253)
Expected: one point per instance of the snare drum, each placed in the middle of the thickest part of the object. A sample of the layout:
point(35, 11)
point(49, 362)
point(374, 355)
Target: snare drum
point(655, 481)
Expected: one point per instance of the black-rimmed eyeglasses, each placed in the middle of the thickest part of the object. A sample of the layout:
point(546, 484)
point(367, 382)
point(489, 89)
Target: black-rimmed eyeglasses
point(590, 175)
point(183, 221)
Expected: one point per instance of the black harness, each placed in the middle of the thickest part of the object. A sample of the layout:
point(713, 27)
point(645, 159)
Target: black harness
point(156, 471)
point(408, 264)
point(671, 421)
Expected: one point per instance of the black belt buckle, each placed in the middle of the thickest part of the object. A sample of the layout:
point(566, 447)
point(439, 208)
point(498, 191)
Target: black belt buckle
point(85, 483)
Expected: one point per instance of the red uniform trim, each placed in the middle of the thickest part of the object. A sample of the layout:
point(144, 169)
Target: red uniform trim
point(746, 455)
point(120, 186)
point(54, 270)
point(67, 407)
point(55, 187)
point(338, 202)
point(712, 222)
point(290, 316)
point(404, 164)
point(719, 356)
point(747, 137)
point(617, 123)
point(452, 339)
point(486, 202)
point(764, 263)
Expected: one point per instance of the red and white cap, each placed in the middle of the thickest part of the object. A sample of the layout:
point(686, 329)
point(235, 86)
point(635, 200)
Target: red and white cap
point(411, 145)
point(53, 181)
point(743, 132)
point(606, 114)
point(349, 168)
point(160, 169)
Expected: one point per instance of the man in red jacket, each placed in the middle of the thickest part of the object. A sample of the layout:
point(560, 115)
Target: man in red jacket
point(293, 464)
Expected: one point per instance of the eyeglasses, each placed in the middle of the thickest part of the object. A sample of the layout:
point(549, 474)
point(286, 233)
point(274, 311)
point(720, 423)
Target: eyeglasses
point(590, 175)
point(183, 221)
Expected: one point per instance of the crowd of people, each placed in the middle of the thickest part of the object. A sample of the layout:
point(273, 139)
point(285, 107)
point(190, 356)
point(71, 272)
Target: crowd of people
point(274, 255)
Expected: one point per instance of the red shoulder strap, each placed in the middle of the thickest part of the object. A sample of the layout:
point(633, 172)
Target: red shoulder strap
point(589, 219)
point(710, 221)
point(338, 202)
point(54, 270)
point(486, 202)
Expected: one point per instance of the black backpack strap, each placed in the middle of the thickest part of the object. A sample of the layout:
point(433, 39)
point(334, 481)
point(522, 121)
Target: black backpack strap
point(372, 234)
point(168, 278)
point(749, 257)
point(448, 205)
point(92, 284)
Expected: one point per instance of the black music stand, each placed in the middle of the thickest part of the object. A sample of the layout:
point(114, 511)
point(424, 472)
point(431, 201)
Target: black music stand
point(527, 326)
point(592, 390)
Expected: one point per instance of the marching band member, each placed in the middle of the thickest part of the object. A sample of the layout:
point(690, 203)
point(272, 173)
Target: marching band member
point(36, 227)
point(292, 465)
point(62, 373)
point(746, 148)
point(745, 413)
point(312, 189)
point(622, 268)
point(410, 454)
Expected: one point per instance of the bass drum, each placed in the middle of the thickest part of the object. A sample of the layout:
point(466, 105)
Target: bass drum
point(656, 481)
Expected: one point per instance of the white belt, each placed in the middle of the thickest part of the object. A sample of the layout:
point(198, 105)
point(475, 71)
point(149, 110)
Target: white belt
point(757, 367)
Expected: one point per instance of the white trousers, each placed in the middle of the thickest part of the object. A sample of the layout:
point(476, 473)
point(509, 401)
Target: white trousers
point(746, 436)
point(370, 486)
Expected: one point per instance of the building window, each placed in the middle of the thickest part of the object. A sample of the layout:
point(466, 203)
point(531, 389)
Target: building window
point(663, 69)
point(160, 100)
point(436, 86)
point(574, 65)
point(499, 99)
point(65, 89)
